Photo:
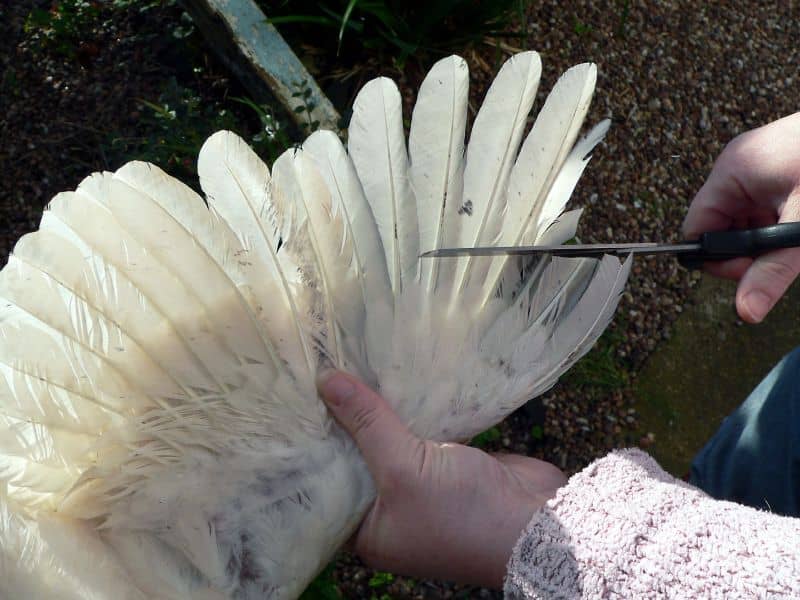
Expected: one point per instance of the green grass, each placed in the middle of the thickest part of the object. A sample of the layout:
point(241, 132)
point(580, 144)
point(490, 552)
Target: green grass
point(68, 23)
point(581, 28)
point(323, 587)
point(173, 127)
point(485, 438)
point(379, 580)
point(399, 28)
point(602, 367)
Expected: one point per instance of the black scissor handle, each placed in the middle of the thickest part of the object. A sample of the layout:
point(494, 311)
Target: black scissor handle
point(723, 245)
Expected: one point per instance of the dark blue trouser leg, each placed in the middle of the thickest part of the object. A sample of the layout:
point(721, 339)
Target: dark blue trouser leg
point(754, 458)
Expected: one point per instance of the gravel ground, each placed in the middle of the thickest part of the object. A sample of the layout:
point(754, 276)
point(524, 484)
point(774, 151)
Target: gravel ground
point(679, 80)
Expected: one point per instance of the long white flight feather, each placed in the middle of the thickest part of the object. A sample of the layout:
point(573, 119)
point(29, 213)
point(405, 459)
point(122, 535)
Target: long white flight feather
point(565, 182)
point(546, 147)
point(436, 154)
point(378, 149)
point(542, 155)
point(551, 229)
point(300, 246)
point(491, 152)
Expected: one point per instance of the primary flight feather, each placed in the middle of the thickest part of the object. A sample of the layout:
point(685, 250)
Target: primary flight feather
point(160, 432)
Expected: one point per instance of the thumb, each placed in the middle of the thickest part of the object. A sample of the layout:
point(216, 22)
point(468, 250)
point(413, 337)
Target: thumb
point(383, 439)
point(770, 274)
point(765, 282)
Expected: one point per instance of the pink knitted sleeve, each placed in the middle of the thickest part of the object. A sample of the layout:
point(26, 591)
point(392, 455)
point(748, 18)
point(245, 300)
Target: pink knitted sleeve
point(623, 528)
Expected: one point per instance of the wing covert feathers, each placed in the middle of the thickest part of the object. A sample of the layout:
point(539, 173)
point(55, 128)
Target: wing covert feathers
point(335, 166)
point(159, 349)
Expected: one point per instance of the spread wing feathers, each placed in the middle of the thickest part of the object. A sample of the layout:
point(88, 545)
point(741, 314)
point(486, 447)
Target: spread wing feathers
point(573, 323)
point(91, 294)
point(551, 229)
point(122, 329)
point(158, 355)
point(86, 219)
point(527, 348)
point(314, 234)
point(207, 256)
point(378, 149)
point(236, 183)
point(537, 185)
point(201, 255)
point(492, 149)
point(50, 558)
point(523, 272)
point(335, 166)
point(603, 293)
point(565, 182)
point(546, 148)
point(436, 154)
point(197, 254)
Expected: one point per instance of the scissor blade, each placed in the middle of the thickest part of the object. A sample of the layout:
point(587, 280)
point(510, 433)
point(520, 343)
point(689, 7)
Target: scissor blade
point(574, 250)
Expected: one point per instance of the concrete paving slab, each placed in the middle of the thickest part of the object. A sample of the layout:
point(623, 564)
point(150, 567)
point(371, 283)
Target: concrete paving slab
point(707, 368)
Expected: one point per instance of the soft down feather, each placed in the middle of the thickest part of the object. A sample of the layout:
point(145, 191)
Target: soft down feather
point(160, 433)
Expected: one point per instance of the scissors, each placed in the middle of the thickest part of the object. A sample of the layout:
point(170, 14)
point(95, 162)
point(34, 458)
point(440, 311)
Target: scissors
point(713, 245)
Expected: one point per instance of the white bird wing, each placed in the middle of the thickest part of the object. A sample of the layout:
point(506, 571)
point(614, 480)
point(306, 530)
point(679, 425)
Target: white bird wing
point(142, 376)
point(158, 356)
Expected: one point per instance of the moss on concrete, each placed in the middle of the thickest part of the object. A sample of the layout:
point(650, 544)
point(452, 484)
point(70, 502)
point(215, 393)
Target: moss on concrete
point(707, 368)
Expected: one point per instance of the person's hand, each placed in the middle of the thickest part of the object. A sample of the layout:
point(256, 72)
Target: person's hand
point(443, 511)
point(755, 182)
